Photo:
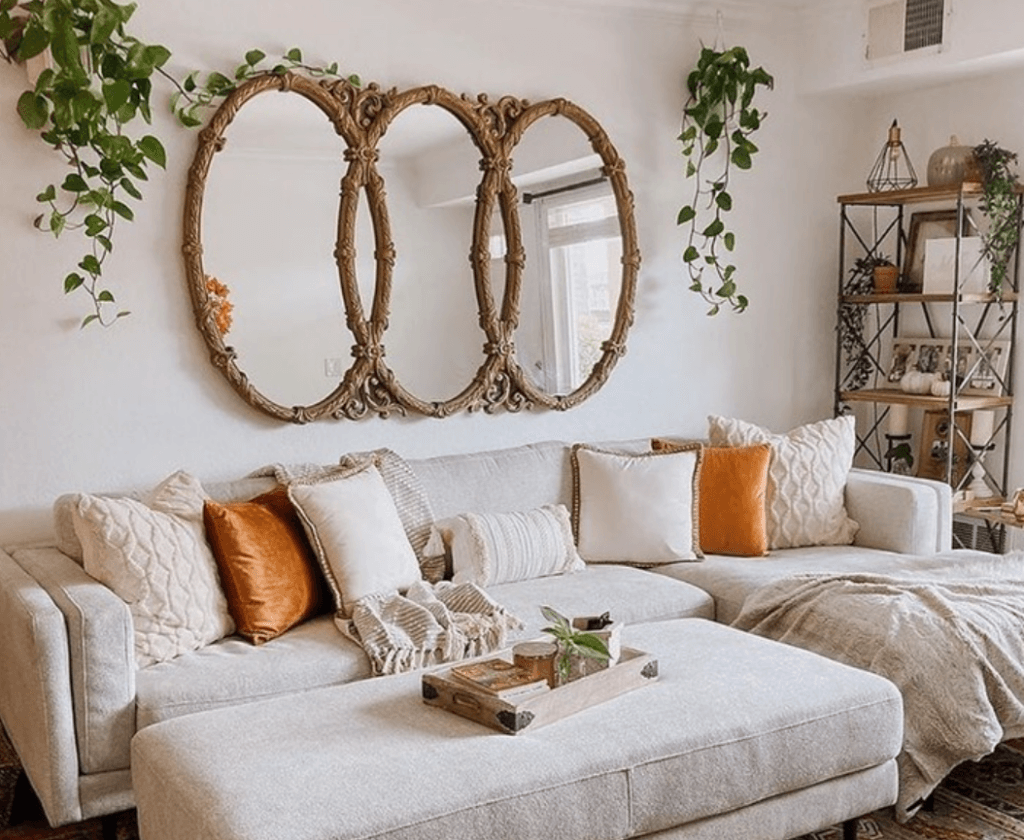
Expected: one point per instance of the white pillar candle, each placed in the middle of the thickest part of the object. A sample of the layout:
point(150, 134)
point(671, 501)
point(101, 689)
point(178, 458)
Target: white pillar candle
point(982, 423)
point(898, 413)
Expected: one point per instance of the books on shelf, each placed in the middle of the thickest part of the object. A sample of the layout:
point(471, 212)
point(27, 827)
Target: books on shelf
point(499, 678)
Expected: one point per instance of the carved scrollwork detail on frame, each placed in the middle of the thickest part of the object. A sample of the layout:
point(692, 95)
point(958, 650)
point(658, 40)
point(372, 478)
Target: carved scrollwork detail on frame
point(361, 117)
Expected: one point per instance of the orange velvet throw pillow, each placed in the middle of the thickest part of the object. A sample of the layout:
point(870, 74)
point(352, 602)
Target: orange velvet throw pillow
point(268, 572)
point(733, 488)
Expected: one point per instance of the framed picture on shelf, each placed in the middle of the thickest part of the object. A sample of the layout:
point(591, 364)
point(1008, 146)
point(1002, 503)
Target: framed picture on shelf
point(987, 368)
point(932, 455)
point(931, 224)
point(927, 355)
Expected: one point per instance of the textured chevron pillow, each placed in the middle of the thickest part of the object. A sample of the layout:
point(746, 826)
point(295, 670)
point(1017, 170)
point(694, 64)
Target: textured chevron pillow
point(806, 479)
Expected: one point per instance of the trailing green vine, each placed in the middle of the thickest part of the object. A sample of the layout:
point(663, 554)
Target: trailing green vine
point(999, 204)
point(718, 120)
point(194, 96)
point(97, 84)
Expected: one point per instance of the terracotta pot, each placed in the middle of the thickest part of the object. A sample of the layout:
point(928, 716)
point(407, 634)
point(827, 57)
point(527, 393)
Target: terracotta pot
point(884, 278)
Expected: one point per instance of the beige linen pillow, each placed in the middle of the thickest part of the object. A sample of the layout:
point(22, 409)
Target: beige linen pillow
point(356, 533)
point(637, 509)
point(489, 548)
point(806, 478)
point(153, 554)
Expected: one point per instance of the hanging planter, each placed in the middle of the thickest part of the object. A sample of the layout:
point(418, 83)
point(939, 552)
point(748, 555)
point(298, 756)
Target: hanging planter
point(718, 120)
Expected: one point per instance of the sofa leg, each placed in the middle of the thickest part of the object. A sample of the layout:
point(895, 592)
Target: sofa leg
point(850, 830)
point(108, 826)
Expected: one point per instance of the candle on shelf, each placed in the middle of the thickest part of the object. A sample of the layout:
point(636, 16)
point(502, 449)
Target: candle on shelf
point(982, 423)
point(898, 419)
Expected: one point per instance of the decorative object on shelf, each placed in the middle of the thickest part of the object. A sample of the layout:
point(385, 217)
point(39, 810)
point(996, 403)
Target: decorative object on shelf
point(917, 382)
point(985, 369)
point(892, 169)
point(940, 274)
point(573, 643)
point(898, 417)
point(953, 165)
point(933, 453)
point(982, 427)
point(978, 488)
point(718, 119)
point(899, 458)
point(1001, 205)
point(931, 224)
point(885, 275)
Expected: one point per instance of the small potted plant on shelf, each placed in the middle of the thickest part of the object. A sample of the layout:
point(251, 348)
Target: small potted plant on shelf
point(884, 274)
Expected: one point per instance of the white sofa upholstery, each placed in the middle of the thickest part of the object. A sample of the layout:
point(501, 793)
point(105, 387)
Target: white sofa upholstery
point(71, 697)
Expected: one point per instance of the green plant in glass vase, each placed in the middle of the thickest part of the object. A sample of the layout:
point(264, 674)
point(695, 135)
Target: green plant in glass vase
point(999, 203)
point(718, 120)
point(572, 642)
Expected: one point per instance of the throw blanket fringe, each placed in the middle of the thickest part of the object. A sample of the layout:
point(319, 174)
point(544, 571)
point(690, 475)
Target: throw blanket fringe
point(428, 625)
point(949, 637)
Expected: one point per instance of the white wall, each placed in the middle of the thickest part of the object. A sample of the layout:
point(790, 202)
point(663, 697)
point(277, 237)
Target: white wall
point(105, 410)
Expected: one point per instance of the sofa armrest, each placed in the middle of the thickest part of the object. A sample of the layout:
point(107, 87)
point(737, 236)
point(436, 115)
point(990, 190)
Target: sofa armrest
point(101, 652)
point(35, 690)
point(900, 513)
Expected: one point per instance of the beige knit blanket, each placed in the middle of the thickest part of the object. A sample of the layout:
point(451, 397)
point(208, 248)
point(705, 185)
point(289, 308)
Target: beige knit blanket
point(427, 625)
point(952, 641)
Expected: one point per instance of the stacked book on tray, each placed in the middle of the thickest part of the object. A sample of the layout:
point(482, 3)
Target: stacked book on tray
point(499, 678)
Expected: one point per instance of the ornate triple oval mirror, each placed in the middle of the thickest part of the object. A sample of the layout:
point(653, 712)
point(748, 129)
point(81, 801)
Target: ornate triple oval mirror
point(357, 251)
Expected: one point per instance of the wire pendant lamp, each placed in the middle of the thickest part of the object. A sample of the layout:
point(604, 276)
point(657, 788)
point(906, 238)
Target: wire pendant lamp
point(893, 169)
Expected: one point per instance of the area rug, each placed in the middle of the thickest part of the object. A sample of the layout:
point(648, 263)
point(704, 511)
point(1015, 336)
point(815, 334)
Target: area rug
point(981, 800)
point(978, 801)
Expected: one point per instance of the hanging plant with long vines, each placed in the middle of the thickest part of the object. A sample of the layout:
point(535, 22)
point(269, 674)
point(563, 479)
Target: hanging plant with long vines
point(718, 120)
point(95, 88)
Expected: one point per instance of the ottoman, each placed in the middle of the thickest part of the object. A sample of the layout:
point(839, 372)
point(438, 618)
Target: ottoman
point(738, 737)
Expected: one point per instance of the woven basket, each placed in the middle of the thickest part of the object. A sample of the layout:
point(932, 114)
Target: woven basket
point(10, 770)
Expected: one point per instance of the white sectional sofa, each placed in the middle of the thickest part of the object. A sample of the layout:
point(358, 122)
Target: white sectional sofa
point(72, 698)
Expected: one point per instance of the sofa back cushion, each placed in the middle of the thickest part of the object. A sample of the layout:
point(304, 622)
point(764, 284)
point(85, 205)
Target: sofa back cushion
point(497, 481)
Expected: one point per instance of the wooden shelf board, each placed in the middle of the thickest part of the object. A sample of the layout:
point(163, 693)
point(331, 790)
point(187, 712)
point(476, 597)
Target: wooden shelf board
point(916, 195)
point(916, 297)
point(894, 396)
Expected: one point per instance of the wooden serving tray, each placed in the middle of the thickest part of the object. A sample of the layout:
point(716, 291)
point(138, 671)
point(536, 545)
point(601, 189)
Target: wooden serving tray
point(532, 711)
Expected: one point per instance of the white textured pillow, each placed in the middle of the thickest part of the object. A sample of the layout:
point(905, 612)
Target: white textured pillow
point(155, 557)
point(355, 530)
point(489, 548)
point(638, 509)
point(806, 478)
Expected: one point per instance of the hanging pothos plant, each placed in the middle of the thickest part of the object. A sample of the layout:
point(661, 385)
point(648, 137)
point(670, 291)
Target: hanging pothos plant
point(718, 119)
point(999, 203)
point(98, 82)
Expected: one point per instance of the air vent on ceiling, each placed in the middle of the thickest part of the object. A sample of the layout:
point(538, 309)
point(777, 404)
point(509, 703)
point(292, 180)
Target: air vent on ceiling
point(895, 27)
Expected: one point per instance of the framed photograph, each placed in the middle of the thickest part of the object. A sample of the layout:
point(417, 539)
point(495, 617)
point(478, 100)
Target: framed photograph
point(932, 224)
point(933, 355)
point(987, 369)
point(932, 455)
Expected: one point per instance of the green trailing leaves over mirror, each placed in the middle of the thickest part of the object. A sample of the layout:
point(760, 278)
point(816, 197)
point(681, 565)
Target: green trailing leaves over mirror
point(718, 120)
point(97, 81)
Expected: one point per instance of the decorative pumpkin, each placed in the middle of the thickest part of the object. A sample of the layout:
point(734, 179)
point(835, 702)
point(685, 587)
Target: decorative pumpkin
point(917, 382)
point(941, 388)
point(951, 165)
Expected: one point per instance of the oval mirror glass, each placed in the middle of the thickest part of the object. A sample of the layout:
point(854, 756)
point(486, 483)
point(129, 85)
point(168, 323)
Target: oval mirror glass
point(434, 342)
point(571, 235)
point(269, 230)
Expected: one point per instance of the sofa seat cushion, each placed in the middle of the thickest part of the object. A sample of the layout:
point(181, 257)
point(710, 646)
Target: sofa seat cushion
point(730, 580)
point(632, 595)
point(721, 729)
point(232, 671)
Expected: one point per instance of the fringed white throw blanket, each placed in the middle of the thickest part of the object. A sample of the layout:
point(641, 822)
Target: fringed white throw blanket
point(429, 624)
point(951, 640)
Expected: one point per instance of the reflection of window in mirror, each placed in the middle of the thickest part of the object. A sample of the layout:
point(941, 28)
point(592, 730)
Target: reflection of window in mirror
point(575, 287)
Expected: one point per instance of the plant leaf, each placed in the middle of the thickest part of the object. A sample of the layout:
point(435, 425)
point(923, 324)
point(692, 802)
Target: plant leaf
point(33, 110)
point(153, 149)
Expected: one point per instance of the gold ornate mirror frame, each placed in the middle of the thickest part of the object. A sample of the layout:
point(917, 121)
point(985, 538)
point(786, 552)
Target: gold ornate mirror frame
point(360, 117)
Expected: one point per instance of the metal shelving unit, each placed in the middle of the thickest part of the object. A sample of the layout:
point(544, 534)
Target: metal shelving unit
point(973, 323)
